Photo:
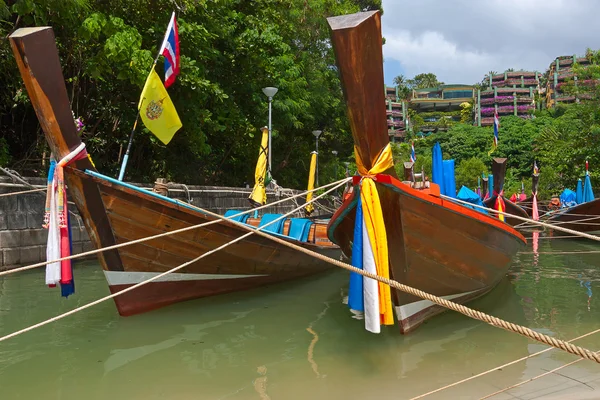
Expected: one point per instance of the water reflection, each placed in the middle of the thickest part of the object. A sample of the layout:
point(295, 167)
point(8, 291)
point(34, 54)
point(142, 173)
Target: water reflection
point(292, 341)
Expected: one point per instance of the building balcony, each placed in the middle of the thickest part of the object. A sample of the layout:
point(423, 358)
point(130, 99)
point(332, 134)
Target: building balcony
point(505, 100)
point(504, 110)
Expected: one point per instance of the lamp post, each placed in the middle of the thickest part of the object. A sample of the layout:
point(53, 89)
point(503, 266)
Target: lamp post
point(270, 92)
point(335, 153)
point(317, 134)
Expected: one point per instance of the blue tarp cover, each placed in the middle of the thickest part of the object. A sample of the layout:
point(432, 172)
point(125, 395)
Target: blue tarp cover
point(579, 192)
point(466, 194)
point(588, 193)
point(437, 167)
point(568, 198)
point(449, 179)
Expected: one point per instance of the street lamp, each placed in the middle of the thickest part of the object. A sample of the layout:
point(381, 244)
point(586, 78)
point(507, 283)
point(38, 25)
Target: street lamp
point(317, 134)
point(335, 153)
point(270, 92)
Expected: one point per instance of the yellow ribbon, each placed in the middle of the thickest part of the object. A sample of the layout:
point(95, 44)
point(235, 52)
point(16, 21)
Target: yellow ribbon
point(375, 225)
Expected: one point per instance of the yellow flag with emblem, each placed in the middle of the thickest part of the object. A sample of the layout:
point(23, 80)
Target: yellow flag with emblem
point(157, 110)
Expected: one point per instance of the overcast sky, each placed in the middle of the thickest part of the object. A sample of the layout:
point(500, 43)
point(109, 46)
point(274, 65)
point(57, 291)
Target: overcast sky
point(461, 40)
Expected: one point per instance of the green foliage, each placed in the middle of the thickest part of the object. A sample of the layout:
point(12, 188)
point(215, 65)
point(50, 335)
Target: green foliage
point(230, 50)
point(467, 172)
point(466, 112)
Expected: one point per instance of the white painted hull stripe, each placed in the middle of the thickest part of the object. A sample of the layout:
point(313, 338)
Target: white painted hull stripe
point(410, 309)
point(131, 278)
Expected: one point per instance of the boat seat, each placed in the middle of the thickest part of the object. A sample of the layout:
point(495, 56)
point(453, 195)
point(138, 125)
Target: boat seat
point(299, 228)
point(240, 218)
point(276, 227)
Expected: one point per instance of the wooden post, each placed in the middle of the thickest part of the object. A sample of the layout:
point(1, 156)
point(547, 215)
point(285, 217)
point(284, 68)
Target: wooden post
point(408, 171)
point(535, 182)
point(499, 172)
point(37, 57)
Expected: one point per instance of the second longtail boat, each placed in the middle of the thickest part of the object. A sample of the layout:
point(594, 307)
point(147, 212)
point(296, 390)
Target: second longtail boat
point(431, 243)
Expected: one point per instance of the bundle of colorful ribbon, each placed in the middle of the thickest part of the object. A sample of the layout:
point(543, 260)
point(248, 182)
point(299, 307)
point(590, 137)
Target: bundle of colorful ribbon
point(370, 249)
point(57, 221)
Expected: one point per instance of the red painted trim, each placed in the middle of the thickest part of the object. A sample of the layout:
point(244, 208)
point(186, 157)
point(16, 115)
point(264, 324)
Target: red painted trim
point(426, 195)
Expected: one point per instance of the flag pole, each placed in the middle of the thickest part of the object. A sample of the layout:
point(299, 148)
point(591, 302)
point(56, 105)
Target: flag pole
point(137, 115)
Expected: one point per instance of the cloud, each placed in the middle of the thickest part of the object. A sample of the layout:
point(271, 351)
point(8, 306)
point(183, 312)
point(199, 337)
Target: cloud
point(461, 40)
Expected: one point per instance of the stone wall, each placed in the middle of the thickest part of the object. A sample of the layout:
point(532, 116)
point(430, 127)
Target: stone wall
point(23, 240)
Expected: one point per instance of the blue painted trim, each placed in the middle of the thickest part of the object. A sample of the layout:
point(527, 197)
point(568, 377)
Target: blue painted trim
point(140, 190)
point(168, 199)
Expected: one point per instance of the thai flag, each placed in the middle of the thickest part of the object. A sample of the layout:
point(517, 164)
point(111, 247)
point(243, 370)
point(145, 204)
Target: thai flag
point(413, 155)
point(496, 127)
point(170, 49)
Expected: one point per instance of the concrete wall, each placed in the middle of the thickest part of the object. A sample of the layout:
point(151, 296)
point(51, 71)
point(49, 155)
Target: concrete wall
point(23, 240)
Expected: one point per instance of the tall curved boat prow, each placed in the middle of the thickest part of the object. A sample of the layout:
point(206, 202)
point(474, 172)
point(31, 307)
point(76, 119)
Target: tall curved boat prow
point(115, 212)
point(434, 244)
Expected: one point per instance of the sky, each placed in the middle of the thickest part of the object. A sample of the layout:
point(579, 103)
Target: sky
point(461, 40)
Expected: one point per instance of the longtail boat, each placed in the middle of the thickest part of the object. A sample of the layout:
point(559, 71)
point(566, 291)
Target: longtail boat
point(116, 212)
point(583, 217)
point(499, 173)
point(434, 244)
point(527, 204)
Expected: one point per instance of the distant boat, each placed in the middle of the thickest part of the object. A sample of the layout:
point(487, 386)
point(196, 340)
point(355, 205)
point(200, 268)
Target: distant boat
point(499, 172)
point(582, 217)
point(116, 212)
point(434, 244)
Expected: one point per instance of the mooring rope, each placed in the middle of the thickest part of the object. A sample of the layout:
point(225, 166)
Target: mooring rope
point(532, 379)
point(219, 219)
point(93, 303)
point(22, 192)
point(494, 321)
point(540, 223)
point(501, 367)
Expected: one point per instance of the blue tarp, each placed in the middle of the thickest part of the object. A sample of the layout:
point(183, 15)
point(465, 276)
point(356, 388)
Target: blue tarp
point(449, 179)
point(466, 194)
point(355, 290)
point(275, 227)
point(299, 228)
point(588, 193)
point(568, 198)
point(240, 218)
point(437, 167)
point(579, 192)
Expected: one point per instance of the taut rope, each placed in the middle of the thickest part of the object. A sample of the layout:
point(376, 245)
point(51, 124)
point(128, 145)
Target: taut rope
point(93, 303)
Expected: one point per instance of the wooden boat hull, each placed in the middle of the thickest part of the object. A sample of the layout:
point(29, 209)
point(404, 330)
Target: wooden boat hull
point(114, 212)
point(583, 217)
point(428, 252)
point(252, 262)
point(435, 245)
point(511, 208)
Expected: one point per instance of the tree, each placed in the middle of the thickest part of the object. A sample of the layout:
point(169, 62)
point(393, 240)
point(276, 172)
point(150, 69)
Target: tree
point(229, 51)
point(404, 92)
point(467, 172)
point(423, 81)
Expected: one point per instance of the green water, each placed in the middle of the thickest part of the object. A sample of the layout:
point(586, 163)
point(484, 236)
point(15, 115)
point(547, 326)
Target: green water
point(293, 341)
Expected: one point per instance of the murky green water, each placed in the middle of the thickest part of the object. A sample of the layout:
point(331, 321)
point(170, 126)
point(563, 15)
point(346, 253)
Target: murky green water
point(295, 341)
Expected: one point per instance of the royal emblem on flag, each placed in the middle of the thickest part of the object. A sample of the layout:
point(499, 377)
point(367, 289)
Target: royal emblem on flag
point(154, 109)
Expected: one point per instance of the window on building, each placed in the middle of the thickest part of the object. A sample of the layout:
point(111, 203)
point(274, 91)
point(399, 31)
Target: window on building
point(457, 94)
